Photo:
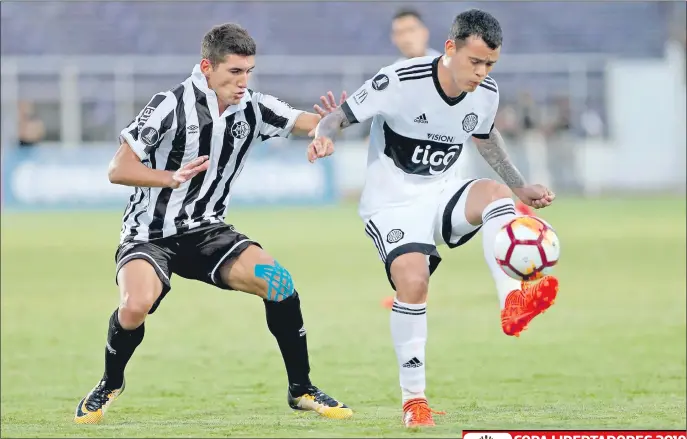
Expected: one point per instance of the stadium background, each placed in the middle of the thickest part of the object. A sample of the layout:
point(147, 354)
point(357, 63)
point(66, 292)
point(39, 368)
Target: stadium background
point(592, 103)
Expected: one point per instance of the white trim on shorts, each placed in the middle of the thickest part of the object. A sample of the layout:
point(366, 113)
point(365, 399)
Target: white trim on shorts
point(146, 256)
point(373, 232)
point(226, 255)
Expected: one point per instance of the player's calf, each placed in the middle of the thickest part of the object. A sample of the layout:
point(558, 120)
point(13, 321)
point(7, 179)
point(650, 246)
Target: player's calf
point(489, 203)
point(254, 271)
point(410, 276)
point(140, 287)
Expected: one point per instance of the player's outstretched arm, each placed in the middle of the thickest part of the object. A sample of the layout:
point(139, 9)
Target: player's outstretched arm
point(126, 169)
point(306, 122)
point(325, 132)
point(493, 151)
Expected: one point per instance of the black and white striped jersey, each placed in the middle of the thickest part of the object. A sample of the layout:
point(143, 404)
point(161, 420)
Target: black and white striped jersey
point(418, 132)
point(180, 125)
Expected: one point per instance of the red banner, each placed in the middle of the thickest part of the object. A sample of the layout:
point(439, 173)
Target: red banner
point(574, 434)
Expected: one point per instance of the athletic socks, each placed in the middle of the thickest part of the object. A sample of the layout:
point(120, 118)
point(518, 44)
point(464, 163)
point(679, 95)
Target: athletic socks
point(409, 334)
point(285, 322)
point(121, 344)
point(495, 216)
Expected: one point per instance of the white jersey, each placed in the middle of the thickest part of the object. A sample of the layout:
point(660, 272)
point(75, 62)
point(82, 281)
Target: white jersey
point(418, 132)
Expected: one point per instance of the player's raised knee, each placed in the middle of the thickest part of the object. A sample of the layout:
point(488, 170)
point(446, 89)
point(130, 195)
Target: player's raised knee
point(495, 191)
point(413, 288)
point(277, 285)
point(134, 307)
point(410, 275)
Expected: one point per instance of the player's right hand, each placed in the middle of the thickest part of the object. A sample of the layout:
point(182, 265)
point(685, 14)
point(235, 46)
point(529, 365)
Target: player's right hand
point(190, 170)
point(535, 195)
point(320, 147)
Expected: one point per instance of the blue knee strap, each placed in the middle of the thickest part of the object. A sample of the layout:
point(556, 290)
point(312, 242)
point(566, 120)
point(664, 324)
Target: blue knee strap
point(279, 282)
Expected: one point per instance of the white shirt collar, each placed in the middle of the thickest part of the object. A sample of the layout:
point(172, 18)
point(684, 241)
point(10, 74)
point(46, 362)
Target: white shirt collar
point(201, 82)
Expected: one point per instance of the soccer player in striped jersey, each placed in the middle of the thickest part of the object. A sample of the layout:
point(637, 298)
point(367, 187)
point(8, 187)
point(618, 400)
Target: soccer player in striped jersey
point(183, 154)
point(423, 112)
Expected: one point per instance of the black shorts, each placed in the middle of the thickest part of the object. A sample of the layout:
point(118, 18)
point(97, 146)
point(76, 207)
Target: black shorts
point(196, 254)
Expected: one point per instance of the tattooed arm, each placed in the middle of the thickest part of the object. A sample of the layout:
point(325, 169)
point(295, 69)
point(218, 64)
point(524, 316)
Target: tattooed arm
point(332, 124)
point(493, 151)
point(325, 132)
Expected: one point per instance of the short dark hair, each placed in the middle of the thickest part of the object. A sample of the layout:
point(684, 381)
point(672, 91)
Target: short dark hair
point(476, 23)
point(226, 39)
point(407, 12)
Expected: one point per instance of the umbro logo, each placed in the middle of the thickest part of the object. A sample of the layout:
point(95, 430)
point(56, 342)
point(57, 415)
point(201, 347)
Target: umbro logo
point(192, 129)
point(421, 119)
point(414, 362)
point(109, 348)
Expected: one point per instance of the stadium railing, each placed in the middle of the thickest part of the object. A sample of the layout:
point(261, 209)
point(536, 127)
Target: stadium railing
point(70, 81)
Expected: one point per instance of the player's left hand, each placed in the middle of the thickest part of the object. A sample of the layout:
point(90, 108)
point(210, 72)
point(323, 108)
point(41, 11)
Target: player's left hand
point(329, 103)
point(535, 195)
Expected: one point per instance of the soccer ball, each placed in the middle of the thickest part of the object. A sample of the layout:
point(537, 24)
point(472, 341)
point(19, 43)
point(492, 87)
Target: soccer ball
point(527, 248)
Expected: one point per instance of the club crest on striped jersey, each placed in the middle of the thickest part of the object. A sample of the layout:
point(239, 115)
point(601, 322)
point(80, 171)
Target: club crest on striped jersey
point(470, 122)
point(240, 129)
point(149, 136)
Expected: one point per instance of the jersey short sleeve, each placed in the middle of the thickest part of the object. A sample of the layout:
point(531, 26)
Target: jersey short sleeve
point(278, 117)
point(484, 129)
point(376, 96)
point(150, 126)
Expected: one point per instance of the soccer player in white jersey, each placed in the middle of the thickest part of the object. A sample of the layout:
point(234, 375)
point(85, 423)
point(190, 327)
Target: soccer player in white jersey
point(423, 112)
point(183, 153)
point(411, 37)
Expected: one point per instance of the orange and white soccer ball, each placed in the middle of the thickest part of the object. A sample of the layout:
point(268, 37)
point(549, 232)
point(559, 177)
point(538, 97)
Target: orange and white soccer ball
point(527, 248)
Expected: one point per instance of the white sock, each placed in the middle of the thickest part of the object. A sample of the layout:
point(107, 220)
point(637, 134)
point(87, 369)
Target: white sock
point(409, 333)
point(495, 216)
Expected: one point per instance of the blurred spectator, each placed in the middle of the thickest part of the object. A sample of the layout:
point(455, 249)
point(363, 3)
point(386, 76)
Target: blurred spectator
point(591, 123)
point(677, 23)
point(530, 139)
point(528, 113)
point(30, 127)
point(410, 35)
point(507, 122)
point(561, 156)
point(532, 157)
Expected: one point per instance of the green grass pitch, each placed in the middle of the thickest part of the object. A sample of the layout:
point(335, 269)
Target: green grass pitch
point(609, 354)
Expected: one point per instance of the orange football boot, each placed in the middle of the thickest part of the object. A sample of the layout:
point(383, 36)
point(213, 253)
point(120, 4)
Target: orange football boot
point(416, 413)
point(525, 304)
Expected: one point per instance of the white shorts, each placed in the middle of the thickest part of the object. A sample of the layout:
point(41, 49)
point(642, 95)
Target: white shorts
point(421, 227)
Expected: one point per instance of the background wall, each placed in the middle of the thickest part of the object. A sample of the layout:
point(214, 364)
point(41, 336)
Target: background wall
point(602, 83)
